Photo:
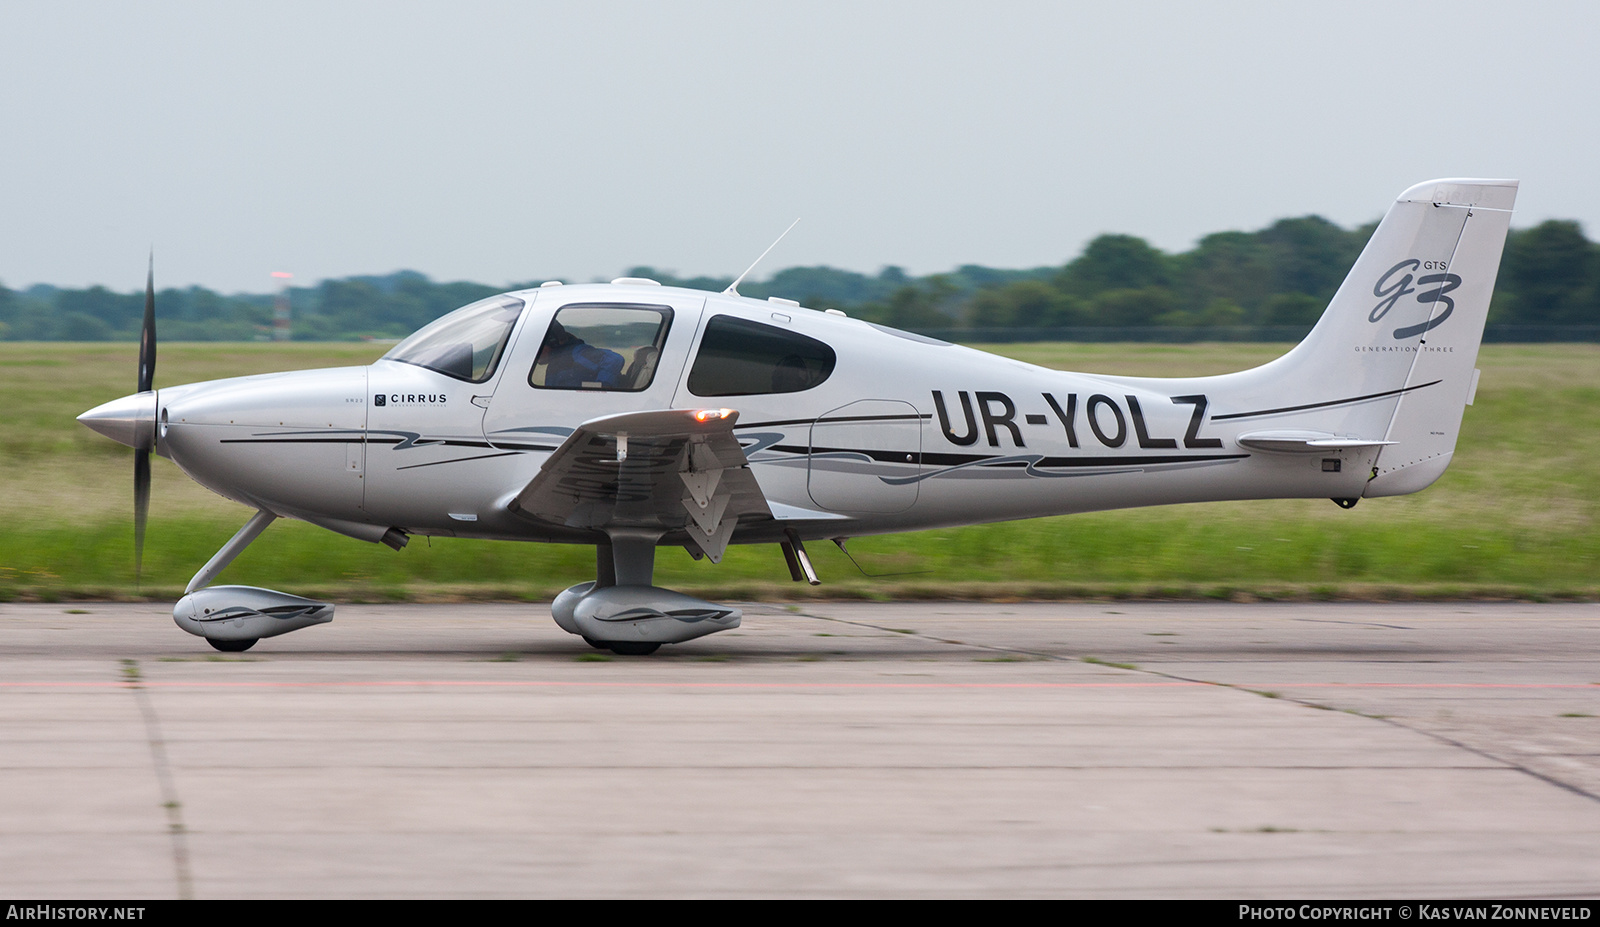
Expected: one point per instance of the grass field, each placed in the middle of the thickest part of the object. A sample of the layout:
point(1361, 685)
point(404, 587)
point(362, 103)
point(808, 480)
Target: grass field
point(1515, 516)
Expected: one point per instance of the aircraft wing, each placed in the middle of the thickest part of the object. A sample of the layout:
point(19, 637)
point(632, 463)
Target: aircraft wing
point(669, 469)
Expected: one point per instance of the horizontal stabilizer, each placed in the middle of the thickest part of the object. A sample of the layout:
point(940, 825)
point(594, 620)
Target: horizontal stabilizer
point(1303, 441)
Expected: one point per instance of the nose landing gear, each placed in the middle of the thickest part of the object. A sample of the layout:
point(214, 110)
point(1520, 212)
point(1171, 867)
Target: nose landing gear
point(233, 618)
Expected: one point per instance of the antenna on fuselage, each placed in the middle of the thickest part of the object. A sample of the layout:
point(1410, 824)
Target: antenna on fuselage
point(734, 286)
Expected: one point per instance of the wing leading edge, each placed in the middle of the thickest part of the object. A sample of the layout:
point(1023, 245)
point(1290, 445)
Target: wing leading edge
point(663, 470)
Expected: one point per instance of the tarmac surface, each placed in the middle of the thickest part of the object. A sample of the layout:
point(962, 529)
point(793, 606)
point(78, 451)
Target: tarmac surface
point(826, 749)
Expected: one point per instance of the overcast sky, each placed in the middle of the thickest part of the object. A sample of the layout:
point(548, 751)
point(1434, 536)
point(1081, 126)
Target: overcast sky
point(500, 142)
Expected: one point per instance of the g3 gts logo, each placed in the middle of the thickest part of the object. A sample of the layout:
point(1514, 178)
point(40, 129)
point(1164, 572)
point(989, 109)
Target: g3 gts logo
point(1389, 290)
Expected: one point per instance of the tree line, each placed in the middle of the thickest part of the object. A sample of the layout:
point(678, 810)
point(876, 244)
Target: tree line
point(1280, 277)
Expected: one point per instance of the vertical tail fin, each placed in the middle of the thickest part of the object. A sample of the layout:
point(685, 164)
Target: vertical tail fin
point(1393, 356)
point(1446, 335)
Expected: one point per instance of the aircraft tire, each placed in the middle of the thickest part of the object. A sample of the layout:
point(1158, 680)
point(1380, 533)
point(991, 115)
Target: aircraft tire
point(632, 648)
point(232, 646)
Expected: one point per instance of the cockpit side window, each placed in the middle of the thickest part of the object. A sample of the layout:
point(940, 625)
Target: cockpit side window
point(738, 357)
point(467, 344)
point(602, 346)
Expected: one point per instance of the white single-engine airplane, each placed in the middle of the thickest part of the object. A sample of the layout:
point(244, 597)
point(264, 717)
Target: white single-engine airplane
point(632, 415)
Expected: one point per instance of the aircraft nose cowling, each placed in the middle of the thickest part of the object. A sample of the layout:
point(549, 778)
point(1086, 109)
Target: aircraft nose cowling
point(130, 420)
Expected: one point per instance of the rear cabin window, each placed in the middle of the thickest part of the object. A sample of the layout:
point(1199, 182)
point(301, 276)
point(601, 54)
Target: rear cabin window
point(601, 347)
point(742, 358)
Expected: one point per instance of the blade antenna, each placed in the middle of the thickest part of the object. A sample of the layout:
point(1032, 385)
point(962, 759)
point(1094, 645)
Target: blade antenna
point(734, 286)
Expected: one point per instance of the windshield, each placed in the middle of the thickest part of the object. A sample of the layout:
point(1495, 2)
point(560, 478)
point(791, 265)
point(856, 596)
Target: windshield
point(467, 343)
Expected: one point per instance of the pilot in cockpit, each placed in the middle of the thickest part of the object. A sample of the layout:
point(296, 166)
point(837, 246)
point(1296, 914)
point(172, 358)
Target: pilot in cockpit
point(572, 363)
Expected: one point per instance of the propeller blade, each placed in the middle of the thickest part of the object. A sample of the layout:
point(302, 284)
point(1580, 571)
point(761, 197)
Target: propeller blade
point(147, 333)
point(141, 508)
point(141, 457)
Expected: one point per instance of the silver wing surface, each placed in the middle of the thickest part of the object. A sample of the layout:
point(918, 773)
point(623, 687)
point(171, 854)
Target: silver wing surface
point(666, 470)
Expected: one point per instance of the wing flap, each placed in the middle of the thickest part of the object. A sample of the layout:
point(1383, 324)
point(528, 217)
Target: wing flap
point(668, 469)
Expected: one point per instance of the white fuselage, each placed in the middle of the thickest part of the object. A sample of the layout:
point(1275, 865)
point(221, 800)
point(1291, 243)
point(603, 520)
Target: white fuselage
point(904, 433)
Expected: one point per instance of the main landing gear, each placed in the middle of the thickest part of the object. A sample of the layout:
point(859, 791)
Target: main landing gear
point(620, 611)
